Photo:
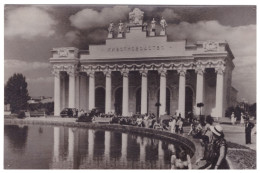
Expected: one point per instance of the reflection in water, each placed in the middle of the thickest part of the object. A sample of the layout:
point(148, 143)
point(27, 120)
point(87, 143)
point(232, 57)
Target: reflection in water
point(95, 149)
point(107, 147)
point(71, 145)
point(17, 136)
point(124, 149)
point(56, 144)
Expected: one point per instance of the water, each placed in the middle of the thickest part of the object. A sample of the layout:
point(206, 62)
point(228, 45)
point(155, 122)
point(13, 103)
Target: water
point(50, 147)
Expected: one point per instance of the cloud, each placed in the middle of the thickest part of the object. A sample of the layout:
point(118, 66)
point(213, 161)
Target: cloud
point(40, 80)
point(170, 15)
point(29, 22)
point(89, 18)
point(242, 41)
point(73, 36)
point(21, 66)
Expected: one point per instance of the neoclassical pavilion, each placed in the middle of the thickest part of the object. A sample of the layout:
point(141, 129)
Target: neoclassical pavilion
point(138, 71)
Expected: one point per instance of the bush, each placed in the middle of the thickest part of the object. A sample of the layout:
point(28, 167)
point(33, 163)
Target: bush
point(84, 118)
point(21, 114)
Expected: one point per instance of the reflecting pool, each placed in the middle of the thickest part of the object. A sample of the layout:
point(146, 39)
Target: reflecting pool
point(51, 147)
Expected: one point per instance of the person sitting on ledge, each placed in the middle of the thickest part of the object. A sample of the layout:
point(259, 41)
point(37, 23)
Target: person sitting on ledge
point(219, 148)
point(180, 159)
point(157, 125)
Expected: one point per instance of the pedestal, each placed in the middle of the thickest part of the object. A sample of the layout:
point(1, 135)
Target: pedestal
point(152, 33)
point(120, 35)
point(110, 35)
point(162, 33)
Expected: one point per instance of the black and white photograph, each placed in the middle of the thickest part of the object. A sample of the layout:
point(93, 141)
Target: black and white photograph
point(129, 86)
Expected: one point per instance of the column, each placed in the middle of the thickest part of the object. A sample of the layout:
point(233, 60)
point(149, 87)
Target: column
point(56, 93)
point(218, 110)
point(72, 83)
point(91, 97)
point(56, 144)
point(77, 91)
point(144, 92)
point(199, 88)
point(108, 91)
point(125, 93)
point(162, 73)
point(182, 83)
point(63, 91)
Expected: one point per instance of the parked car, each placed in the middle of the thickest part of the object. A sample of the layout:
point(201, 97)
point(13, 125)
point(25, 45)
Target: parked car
point(69, 112)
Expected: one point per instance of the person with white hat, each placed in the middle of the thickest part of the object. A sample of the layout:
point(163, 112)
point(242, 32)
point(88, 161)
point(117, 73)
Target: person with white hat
point(219, 148)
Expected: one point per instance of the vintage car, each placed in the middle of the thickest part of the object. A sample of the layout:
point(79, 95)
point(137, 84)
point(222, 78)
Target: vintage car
point(69, 112)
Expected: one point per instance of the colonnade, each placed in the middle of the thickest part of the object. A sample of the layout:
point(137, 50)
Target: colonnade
point(74, 91)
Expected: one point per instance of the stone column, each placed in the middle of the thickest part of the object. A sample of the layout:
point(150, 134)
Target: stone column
point(77, 94)
point(144, 92)
point(57, 93)
point(91, 97)
point(108, 91)
point(63, 91)
point(125, 93)
point(182, 83)
point(72, 89)
point(199, 88)
point(162, 73)
point(218, 110)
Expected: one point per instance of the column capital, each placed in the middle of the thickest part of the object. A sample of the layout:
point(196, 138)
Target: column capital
point(125, 72)
point(200, 71)
point(56, 73)
point(62, 75)
point(220, 70)
point(107, 73)
point(182, 72)
point(91, 73)
point(143, 72)
point(162, 72)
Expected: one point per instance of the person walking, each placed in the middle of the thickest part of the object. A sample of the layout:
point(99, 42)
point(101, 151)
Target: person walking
point(172, 125)
point(233, 118)
point(248, 129)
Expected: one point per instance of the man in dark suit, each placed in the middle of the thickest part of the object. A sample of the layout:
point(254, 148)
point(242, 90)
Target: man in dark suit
point(248, 128)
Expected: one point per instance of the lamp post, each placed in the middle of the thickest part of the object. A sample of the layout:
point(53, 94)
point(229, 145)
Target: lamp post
point(158, 105)
point(200, 105)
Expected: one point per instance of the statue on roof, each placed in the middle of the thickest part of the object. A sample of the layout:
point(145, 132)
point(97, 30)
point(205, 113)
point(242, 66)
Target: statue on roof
point(163, 24)
point(136, 17)
point(111, 27)
point(153, 23)
point(110, 30)
point(120, 27)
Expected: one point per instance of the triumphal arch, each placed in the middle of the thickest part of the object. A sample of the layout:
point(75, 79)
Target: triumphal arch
point(138, 70)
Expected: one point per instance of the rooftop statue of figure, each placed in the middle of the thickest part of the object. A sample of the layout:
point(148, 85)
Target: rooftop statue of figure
point(163, 24)
point(136, 17)
point(120, 27)
point(153, 23)
point(111, 28)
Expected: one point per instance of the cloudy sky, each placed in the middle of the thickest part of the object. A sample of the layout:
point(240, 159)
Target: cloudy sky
point(31, 31)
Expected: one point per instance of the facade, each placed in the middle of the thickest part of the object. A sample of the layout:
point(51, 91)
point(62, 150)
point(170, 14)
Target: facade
point(138, 71)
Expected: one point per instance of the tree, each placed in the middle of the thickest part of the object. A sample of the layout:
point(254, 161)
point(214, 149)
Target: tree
point(16, 93)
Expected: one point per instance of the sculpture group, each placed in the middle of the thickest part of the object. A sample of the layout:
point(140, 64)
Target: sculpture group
point(136, 19)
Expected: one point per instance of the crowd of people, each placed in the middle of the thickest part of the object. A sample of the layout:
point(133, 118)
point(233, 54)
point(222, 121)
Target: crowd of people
point(214, 145)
